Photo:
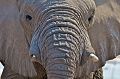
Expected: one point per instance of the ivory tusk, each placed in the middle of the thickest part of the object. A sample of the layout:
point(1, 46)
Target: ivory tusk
point(93, 58)
point(33, 56)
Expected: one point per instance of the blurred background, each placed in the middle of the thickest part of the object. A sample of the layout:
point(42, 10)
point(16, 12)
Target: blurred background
point(110, 71)
point(1, 69)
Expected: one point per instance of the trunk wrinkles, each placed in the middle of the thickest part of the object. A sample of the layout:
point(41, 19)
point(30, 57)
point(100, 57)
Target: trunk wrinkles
point(61, 39)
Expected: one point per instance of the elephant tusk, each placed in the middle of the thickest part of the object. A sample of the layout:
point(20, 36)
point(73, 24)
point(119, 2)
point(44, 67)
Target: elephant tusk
point(93, 58)
point(33, 56)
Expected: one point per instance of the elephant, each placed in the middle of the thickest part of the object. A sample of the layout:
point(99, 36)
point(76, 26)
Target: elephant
point(60, 36)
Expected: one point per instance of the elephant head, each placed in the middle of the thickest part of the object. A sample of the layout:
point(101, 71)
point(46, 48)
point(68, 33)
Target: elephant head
point(57, 32)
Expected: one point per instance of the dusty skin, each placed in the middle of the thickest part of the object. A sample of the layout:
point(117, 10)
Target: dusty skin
point(59, 36)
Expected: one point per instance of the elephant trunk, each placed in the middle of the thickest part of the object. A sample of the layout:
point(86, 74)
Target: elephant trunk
point(61, 41)
point(60, 55)
point(59, 63)
point(60, 49)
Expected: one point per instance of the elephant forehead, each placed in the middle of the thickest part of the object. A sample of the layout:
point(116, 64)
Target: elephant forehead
point(77, 4)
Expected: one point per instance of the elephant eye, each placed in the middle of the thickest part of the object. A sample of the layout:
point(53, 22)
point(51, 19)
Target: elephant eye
point(90, 18)
point(28, 18)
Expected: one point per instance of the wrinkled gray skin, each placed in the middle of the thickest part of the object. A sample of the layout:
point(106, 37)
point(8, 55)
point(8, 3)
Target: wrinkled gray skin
point(60, 41)
point(70, 47)
point(56, 31)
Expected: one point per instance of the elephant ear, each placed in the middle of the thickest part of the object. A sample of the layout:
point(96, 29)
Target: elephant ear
point(104, 34)
point(13, 44)
point(19, 3)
